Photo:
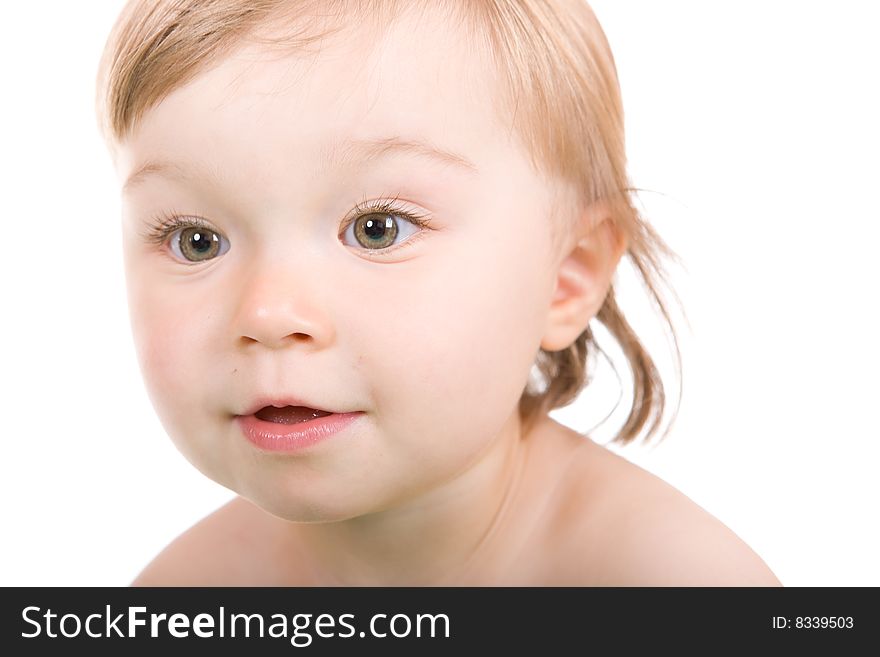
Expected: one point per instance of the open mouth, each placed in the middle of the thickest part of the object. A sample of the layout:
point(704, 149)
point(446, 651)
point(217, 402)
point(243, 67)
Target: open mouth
point(289, 414)
point(290, 429)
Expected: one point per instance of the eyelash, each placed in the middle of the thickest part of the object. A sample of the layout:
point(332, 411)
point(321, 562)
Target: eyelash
point(163, 225)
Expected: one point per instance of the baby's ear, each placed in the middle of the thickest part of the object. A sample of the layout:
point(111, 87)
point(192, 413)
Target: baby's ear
point(583, 277)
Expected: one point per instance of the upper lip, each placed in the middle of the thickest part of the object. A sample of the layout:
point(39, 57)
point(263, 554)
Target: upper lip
point(281, 402)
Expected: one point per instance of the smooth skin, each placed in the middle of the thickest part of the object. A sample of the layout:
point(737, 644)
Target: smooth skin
point(436, 483)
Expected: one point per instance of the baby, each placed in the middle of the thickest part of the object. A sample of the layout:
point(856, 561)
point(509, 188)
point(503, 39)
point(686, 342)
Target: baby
point(364, 242)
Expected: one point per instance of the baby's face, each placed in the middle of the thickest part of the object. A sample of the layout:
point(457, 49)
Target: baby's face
point(430, 332)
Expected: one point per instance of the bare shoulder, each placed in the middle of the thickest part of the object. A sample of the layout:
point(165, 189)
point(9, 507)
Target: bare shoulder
point(210, 553)
point(624, 526)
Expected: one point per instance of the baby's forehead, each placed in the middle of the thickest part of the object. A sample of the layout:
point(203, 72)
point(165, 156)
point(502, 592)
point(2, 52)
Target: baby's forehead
point(410, 81)
point(417, 62)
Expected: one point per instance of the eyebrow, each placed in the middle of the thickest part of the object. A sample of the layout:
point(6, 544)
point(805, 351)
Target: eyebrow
point(363, 150)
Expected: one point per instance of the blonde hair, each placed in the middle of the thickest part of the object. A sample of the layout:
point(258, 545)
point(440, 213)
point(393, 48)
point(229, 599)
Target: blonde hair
point(558, 81)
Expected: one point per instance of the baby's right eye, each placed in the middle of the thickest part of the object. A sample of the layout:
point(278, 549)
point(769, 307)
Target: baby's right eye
point(192, 240)
point(197, 244)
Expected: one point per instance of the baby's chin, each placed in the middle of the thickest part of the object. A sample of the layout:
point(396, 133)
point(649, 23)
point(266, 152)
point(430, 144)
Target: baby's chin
point(299, 514)
point(296, 503)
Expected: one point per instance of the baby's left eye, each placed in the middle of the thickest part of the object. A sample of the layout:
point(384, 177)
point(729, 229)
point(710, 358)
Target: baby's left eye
point(377, 231)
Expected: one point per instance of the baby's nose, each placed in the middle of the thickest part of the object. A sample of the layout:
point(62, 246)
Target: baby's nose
point(277, 309)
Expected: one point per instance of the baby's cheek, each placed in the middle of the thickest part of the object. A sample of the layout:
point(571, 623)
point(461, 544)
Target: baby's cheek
point(167, 348)
point(464, 344)
point(500, 342)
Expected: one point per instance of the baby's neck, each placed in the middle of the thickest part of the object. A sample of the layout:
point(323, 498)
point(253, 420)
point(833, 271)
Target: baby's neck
point(447, 536)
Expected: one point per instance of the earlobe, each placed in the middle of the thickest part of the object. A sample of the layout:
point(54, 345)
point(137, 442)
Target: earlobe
point(583, 279)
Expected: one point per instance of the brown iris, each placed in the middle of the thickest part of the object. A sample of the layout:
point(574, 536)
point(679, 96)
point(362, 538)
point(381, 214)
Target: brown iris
point(198, 244)
point(375, 231)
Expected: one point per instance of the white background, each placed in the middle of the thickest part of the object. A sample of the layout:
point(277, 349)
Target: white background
point(753, 124)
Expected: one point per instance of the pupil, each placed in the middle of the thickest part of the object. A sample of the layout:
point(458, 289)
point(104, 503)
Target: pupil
point(201, 244)
point(375, 229)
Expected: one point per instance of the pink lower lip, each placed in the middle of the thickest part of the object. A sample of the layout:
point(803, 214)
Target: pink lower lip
point(276, 437)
